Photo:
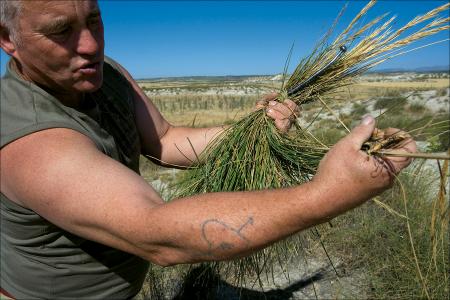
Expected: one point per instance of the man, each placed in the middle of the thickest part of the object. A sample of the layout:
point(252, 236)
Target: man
point(77, 219)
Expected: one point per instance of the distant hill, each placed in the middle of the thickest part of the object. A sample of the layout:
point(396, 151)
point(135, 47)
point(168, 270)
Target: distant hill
point(205, 78)
point(433, 69)
point(222, 78)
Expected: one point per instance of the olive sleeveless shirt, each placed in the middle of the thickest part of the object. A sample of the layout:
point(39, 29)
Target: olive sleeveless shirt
point(38, 259)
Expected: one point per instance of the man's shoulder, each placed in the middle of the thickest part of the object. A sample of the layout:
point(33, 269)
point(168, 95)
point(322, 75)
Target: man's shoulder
point(112, 63)
point(113, 74)
point(115, 82)
point(26, 108)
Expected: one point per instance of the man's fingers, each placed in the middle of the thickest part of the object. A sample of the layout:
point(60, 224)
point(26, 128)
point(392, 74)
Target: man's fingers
point(409, 145)
point(281, 122)
point(406, 146)
point(286, 110)
point(362, 132)
point(265, 100)
point(260, 104)
point(391, 131)
point(282, 113)
point(270, 97)
point(275, 113)
point(294, 108)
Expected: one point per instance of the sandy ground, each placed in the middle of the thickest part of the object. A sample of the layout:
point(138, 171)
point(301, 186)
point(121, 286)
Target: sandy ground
point(304, 277)
point(312, 277)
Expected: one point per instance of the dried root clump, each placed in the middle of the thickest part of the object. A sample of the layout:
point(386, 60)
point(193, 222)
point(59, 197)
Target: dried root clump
point(379, 142)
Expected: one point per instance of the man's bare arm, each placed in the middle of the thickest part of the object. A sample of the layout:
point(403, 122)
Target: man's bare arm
point(73, 185)
point(168, 144)
point(76, 187)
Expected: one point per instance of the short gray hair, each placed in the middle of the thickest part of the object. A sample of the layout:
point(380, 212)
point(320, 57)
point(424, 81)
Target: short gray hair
point(9, 16)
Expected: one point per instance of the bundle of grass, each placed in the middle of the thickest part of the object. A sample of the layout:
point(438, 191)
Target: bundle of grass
point(253, 155)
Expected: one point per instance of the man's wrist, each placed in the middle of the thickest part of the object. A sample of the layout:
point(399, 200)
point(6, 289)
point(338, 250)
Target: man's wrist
point(325, 201)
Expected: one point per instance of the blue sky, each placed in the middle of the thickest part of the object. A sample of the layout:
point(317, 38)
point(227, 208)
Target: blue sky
point(188, 38)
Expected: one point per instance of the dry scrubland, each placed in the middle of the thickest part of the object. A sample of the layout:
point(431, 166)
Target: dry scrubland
point(204, 102)
point(368, 250)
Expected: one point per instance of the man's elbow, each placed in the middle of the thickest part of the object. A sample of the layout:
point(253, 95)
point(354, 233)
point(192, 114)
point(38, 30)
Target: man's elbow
point(166, 257)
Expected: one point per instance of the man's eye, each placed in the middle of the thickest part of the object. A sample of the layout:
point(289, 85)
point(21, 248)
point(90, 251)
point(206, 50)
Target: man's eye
point(94, 20)
point(94, 23)
point(61, 32)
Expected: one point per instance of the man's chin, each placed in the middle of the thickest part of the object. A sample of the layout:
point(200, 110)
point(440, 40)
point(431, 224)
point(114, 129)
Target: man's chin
point(89, 86)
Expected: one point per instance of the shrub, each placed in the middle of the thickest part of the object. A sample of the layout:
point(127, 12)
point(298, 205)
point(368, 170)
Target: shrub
point(417, 107)
point(392, 93)
point(441, 92)
point(390, 102)
point(359, 109)
point(377, 241)
point(329, 136)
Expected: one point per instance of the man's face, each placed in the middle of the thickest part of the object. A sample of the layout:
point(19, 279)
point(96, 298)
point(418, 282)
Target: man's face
point(61, 45)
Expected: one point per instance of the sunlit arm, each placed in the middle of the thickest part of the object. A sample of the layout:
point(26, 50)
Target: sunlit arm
point(78, 188)
point(167, 144)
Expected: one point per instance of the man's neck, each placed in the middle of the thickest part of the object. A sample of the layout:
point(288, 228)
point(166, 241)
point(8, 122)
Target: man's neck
point(71, 100)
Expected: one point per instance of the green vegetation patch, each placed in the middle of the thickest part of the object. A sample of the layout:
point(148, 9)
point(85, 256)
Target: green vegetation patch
point(390, 102)
point(376, 240)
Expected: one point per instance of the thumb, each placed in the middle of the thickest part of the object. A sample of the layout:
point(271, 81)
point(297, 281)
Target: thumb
point(362, 132)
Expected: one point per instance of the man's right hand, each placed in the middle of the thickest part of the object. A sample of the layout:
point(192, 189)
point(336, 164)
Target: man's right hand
point(351, 175)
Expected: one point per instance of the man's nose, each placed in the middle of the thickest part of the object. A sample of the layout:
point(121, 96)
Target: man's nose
point(88, 43)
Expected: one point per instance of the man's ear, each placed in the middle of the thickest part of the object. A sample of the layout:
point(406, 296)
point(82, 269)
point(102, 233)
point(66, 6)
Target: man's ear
point(6, 42)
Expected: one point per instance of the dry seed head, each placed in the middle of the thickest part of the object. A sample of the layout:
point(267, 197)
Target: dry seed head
point(353, 22)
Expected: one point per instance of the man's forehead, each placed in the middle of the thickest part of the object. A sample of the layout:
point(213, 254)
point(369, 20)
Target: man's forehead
point(56, 7)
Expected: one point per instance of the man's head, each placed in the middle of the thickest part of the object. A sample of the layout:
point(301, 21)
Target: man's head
point(56, 44)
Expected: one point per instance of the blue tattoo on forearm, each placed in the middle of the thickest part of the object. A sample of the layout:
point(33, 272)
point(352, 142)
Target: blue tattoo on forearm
point(224, 245)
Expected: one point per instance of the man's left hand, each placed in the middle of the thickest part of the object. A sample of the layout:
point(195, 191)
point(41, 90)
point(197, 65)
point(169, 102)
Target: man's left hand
point(283, 114)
